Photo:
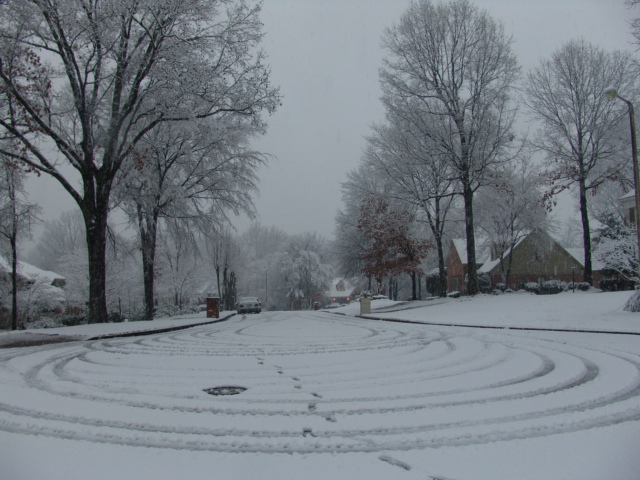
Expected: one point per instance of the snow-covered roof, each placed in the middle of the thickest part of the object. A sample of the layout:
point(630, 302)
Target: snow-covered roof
point(578, 255)
point(629, 194)
point(482, 254)
point(333, 288)
point(490, 264)
point(30, 272)
point(460, 245)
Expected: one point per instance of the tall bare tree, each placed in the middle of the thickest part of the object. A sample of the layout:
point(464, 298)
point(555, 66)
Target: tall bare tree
point(582, 133)
point(17, 216)
point(453, 62)
point(419, 174)
point(511, 209)
point(194, 175)
point(82, 82)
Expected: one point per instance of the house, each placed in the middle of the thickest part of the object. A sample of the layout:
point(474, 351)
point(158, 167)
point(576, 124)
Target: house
point(457, 265)
point(628, 202)
point(536, 257)
point(29, 274)
point(340, 291)
point(42, 286)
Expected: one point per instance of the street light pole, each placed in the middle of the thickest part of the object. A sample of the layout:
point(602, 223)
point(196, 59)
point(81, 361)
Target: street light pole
point(613, 93)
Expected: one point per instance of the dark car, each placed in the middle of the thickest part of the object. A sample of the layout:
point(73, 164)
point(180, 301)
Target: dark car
point(248, 305)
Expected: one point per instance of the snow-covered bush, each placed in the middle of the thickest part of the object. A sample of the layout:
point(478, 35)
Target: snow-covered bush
point(616, 247)
point(532, 287)
point(174, 310)
point(616, 284)
point(633, 304)
point(484, 282)
point(43, 322)
point(551, 287)
point(582, 286)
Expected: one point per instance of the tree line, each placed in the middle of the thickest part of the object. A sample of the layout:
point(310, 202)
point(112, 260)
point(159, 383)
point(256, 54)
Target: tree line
point(144, 106)
point(450, 159)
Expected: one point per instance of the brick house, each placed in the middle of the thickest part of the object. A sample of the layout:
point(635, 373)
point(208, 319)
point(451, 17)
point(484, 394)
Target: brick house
point(535, 258)
point(457, 266)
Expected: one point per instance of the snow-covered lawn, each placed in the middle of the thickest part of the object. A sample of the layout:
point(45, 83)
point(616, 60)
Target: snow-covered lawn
point(335, 397)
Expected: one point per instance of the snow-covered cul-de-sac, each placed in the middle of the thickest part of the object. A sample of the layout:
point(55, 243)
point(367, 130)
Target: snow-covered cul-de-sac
point(328, 395)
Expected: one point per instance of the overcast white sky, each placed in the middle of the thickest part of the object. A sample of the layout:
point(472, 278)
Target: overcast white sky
point(325, 55)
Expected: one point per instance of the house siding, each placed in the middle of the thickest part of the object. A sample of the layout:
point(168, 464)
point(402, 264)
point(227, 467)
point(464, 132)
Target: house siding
point(455, 272)
point(538, 258)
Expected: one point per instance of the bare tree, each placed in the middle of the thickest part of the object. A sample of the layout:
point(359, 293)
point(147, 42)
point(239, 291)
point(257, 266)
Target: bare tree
point(17, 216)
point(420, 175)
point(511, 209)
point(452, 61)
point(83, 82)
point(62, 236)
point(194, 175)
point(351, 243)
point(580, 129)
point(305, 270)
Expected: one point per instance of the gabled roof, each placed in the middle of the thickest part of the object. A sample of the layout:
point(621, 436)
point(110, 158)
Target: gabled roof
point(578, 255)
point(491, 264)
point(461, 247)
point(482, 254)
point(334, 292)
point(629, 194)
point(30, 272)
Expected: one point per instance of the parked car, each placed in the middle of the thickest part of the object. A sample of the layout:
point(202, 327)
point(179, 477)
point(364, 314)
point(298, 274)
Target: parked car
point(248, 305)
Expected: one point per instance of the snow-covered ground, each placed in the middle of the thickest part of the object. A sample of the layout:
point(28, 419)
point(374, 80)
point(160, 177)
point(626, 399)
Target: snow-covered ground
point(335, 396)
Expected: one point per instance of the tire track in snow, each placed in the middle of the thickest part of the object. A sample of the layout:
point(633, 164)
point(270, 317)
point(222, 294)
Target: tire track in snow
point(315, 383)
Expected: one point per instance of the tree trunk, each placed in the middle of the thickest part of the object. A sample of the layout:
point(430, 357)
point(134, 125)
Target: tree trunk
point(14, 280)
point(442, 269)
point(414, 290)
point(95, 210)
point(586, 234)
point(472, 284)
point(148, 226)
point(96, 226)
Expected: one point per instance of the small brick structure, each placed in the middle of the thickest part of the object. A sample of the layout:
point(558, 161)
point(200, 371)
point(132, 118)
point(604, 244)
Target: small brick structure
point(213, 307)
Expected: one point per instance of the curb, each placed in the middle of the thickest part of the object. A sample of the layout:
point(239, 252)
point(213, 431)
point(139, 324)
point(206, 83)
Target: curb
point(159, 330)
point(493, 327)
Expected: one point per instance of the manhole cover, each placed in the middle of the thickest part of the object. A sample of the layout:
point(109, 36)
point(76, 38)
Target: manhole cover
point(224, 390)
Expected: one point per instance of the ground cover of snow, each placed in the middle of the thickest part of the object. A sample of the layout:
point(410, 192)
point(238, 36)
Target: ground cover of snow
point(330, 395)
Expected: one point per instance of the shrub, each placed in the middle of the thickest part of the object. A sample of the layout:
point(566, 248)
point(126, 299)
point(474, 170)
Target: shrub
point(432, 282)
point(484, 282)
point(73, 320)
point(552, 287)
point(582, 286)
point(615, 285)
point(532, 287)
point(115, 317)
point(43, 322)
point(633, 304)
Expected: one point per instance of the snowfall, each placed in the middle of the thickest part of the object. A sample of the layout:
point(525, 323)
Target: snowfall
point(514, 386)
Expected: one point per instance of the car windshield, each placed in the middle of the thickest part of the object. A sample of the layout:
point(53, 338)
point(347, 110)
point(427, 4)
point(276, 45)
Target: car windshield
point(248, 299)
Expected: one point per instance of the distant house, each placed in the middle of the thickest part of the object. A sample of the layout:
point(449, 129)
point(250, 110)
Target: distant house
point(457, 266)
point(42, 286)
point(340, 291)
point(537, 257)
point(28, 274)
point(628, 202)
